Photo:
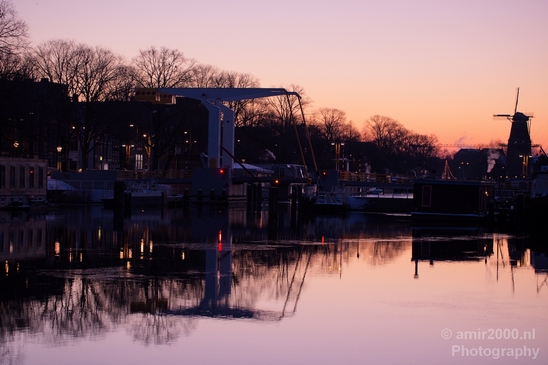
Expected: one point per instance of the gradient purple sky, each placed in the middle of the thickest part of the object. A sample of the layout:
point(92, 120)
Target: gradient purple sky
point(438, 67)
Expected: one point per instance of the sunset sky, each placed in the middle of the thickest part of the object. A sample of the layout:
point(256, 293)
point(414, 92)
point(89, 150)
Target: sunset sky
point(438, 67)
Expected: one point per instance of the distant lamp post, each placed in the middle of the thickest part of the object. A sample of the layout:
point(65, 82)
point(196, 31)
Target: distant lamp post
point(188, 142)
point(59, 150)
point(127, 154)
point(15, 146)
point(525, 166)
point(148, 149)
point(337, 153)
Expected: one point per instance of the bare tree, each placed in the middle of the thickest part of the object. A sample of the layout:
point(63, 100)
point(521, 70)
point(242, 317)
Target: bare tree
point(254, 114)
point(162, 68)
point(386, 133)
point(16, 66)
point(204, 76)
point(97, 78)
point(92, 75)
point(399, 148)
point(122, 88)
point(286, 109)
point(13, 31)
point(242, 108)
point(284, 114)
point(98, 71)
point(56, 59)
point(331, 122)
point(351, 133)
point(422, 146)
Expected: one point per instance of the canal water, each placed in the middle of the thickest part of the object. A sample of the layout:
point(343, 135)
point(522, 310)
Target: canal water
point(203, 286)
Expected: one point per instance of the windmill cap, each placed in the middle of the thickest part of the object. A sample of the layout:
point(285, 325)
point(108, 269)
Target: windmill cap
point(520, 117)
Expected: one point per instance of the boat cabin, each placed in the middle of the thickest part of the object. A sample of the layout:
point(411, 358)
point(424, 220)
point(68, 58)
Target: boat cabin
point(451, 200)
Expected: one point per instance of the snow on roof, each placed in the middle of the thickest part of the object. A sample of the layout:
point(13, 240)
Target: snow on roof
point(58, 185)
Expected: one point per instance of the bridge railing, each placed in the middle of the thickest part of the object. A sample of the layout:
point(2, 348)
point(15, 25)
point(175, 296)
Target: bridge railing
point(373, 177)
point(157, 174)
point(187, 173)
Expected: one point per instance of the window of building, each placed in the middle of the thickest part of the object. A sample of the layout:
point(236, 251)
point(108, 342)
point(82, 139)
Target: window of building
point(31, 177)
point(12, 177)
point(30, 238)
point(21, 177)
point(39, 238)
point(427, 196)
point(20, 241)
point(11, 236)
point(138, 162)
point(2, 176)
point(40, 178)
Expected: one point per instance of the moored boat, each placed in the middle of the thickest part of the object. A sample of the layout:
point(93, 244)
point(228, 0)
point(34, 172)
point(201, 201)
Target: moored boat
point(331, 201)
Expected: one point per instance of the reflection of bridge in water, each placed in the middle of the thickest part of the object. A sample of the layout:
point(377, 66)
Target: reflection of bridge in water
point(218, 286)
point(159, 273)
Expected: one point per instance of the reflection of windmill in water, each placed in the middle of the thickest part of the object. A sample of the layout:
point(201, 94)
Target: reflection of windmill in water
point(519, 142)
point(521, 257)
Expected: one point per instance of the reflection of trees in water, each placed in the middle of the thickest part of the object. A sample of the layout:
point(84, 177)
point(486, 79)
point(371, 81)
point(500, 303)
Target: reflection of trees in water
point(84, 309)
point(328, 261)
point(88, 308)
point(333, 257)
point(11, 349)
point(159, 307)
point(81, 311)
point(158, 329)
point(153, 297)
point(383, 252)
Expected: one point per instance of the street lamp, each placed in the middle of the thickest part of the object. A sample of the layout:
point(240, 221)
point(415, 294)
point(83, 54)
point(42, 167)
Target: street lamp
point(15, 146)
point(59, 149)
point(149, 140)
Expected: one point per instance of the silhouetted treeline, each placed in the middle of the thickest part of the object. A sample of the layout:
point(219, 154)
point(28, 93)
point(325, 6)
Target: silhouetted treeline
point(87, 107)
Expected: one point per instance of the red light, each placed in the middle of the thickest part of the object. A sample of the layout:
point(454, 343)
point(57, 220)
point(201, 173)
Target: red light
point(222, 171)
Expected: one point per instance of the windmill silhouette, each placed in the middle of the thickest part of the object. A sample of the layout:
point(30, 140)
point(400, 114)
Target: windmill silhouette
point(519, 142)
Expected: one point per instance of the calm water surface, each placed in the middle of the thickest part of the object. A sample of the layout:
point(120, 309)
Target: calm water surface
point(81, 286)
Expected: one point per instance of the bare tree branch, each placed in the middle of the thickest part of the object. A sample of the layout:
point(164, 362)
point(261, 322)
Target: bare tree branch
point(13, 31)
point(162, 68)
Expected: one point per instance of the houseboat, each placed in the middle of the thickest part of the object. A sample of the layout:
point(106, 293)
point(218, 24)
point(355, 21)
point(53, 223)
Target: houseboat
point(381, 200)
point(451, 201)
